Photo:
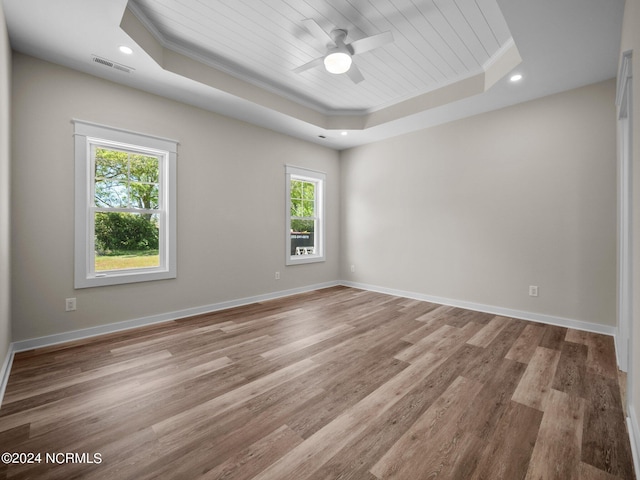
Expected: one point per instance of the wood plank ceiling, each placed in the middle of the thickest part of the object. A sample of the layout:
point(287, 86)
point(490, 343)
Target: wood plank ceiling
point(436, 43)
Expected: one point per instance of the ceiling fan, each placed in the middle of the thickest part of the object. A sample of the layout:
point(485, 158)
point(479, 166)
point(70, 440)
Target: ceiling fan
point(338, 57)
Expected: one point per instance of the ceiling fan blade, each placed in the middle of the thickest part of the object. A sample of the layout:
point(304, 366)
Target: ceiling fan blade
point(355, 74)
point(317, 31)
point(369, 43)
point(313, 63)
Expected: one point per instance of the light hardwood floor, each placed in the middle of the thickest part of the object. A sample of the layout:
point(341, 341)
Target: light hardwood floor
point(334, 384)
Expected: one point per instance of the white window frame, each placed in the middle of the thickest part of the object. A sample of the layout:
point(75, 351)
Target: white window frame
point(319, 178)
point(87, 134)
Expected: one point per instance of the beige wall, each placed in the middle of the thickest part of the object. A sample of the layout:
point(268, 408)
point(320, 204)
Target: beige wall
point(631, 41)
point(479, 209)
point(476, 210)
point(5, 273)
point(231, 203)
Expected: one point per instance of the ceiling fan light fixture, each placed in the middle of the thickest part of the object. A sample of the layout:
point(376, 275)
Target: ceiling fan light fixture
point(337, 62)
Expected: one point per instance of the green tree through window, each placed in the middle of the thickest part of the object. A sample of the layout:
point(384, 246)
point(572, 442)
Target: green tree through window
point(126, 196)
point(303, 206)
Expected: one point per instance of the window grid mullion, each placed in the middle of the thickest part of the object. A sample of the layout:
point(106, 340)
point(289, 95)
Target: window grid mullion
point(126, 210)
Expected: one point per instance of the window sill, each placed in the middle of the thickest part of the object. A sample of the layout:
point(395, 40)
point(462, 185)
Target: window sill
point(118, 278)
point(304, 259)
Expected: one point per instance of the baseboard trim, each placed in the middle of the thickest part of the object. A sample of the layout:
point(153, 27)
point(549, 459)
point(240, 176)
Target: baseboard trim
point(634, 437)
point(6, 370)
point(49, 340)
point(623, 364)
point(505, 312)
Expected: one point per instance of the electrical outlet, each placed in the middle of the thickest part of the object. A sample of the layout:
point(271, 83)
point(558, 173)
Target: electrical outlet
point(70, 304)
point(277, 276)
point(353, 268)
point(533, 290)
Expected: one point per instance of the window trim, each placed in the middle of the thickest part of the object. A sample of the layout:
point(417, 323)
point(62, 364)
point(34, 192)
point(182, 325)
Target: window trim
point(86, 134)
point(319, 178)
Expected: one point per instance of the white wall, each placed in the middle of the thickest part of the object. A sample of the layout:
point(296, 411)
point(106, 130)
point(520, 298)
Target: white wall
point(231, 200)
point(631, 41)
point(479, 209)
point(5, 273)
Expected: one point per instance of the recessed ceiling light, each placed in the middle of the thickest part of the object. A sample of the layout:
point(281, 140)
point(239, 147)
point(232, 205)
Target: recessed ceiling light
point(126, 50)
point(344, 133)
point(516, 78)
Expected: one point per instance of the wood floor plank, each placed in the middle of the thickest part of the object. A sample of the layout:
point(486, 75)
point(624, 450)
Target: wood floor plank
point(571, 370)
point(556, 455)
point(440, 340)
point(429, 446)
point(118, 458)
point(309, 456)
point(439, 313)
point(14, 436)
point(344, 389)
point(523, 349)
point(553, 337)
point(603, 446)
point(422, 331)
point(589, 472)
point(489, 332)
point(535, 387)
point(83, 405)
point(364, 450)
point(417, 308)
point(577, 336)
point(121, 419)
point(80, 377)
point(236, 349)
point(601, 358)
point(329, 384)
point(219, 405)
point(457, 315)
point(493, 399)
point(256, 457)
point(507, 453)
point(483, 368)
point(199, 451)
point(364, 339)
point(305, 342)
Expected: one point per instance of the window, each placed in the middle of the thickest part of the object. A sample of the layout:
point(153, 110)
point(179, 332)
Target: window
point(125, 206)
point(305, 216)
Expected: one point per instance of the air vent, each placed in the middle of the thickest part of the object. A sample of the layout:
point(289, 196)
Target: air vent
point(111, 64)
point(121, 68)
point(102, 61)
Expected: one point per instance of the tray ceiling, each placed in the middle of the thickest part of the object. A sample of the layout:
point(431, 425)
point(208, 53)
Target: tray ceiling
point(449, 59)
point(436, 43)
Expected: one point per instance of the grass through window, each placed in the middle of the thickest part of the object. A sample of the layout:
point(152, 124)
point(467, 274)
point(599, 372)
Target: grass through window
point(127, 259)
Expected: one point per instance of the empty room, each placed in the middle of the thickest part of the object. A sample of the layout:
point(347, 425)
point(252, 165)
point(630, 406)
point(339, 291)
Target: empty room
point(340, 239)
